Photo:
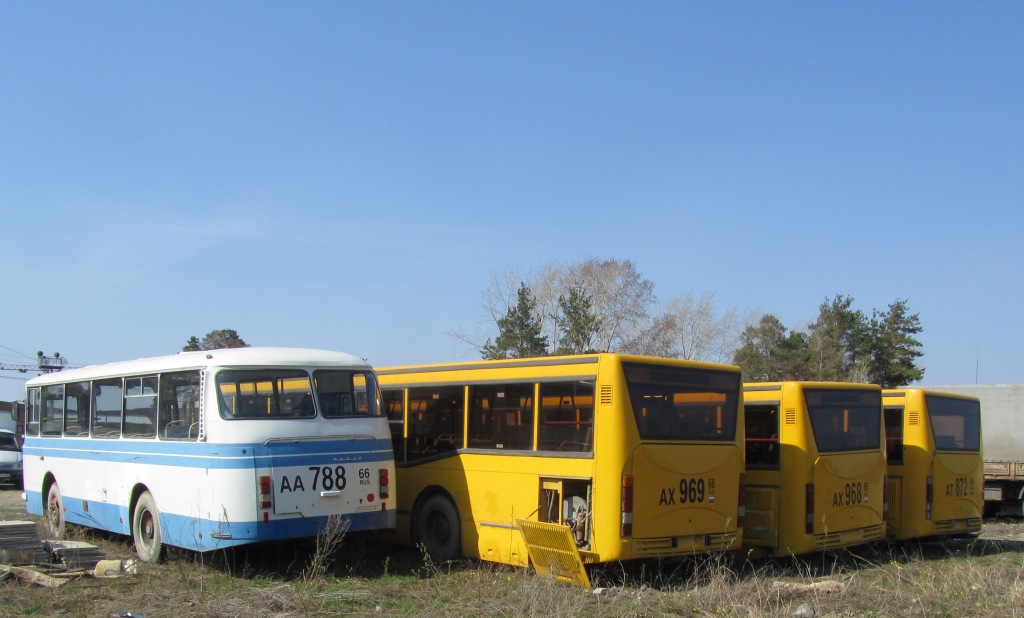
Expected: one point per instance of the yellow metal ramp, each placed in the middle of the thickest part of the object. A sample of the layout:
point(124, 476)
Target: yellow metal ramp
point(553, 551)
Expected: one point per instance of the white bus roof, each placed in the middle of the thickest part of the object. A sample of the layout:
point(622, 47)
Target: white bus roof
point(228, 357)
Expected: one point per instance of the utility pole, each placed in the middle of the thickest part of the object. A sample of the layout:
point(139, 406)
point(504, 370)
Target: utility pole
point(46, 364)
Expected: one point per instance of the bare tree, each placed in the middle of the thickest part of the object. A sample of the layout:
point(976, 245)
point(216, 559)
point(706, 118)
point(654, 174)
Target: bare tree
point(689, 328)
point(621, 297)
point(620, 300)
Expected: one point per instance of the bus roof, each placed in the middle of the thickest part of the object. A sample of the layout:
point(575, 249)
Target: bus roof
point(547, 361)
point(228, 357)
point(892, 393)
point(775, 386)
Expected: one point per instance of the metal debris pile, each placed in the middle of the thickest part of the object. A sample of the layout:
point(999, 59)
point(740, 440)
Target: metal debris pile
point(51, 563)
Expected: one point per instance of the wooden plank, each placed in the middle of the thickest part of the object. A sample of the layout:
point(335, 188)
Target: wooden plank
point(34, 577)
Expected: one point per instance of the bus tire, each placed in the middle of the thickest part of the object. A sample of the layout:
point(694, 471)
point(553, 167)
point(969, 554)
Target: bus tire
point(55, 511)
point(146, 529)
point(438, 529)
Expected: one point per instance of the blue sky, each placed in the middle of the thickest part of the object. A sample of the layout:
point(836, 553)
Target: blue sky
point(350, 175)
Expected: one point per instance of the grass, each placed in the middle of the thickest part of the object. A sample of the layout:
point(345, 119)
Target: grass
point(344, 574)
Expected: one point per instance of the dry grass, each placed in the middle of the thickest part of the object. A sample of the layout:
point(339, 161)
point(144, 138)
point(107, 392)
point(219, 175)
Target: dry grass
point(349, 575)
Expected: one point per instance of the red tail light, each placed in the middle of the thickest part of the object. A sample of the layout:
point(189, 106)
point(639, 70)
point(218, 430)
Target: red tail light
point(626, 528)
point(885, 498)
point(929, 496)
point(809, 506)
point(266, 493)
point(384, 484)
point(741, 513)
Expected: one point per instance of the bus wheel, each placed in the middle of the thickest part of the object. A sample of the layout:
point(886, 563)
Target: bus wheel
point(146, 529)
point(55, 511)
point(437, 528)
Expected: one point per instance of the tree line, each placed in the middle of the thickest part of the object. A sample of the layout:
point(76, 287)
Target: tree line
point(609, 306)
point(215, 340)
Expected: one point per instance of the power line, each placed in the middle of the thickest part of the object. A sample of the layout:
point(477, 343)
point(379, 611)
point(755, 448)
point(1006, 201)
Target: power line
point(21, 354)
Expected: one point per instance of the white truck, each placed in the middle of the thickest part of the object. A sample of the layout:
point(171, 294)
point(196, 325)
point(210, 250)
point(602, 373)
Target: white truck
point(1002, 443)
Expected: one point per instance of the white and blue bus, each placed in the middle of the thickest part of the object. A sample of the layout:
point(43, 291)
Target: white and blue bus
point(212, 449)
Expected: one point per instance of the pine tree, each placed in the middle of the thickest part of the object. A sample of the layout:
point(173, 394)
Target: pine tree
point(893, 348)
point(769, 354)
point(519, 331)
point(215, 340)
point(577, 324)
point(840, 341)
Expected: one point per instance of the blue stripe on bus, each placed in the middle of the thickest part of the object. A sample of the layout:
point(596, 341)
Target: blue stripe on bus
point(198, 534)
point(214, 456)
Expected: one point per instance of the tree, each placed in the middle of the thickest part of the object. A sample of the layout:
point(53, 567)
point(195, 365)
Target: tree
point(893, 347)
point(768, 354)
point(519, 331)
point(698, 333)
point(577, 324)
point(216, 340)
point(839, 342)
point(621, 297)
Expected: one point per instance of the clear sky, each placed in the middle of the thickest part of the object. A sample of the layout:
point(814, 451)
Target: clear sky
point(349, 175)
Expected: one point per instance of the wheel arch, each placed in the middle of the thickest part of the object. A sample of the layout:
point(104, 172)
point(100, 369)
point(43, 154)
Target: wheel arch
point(417, 507)
point(48, 481)
point(133, 500)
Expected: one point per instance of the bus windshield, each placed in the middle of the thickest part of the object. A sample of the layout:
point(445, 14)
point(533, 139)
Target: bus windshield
point(677, 403)
point(956, 423)
point(845, 420)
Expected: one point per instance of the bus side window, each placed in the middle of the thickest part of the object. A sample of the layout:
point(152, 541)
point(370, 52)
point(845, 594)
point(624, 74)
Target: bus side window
point(179, 409)
point(393, 404)
point(566, 417)
point(76, 409)
point(106, 408)
point(502, 416)
point(435, 420)
point(894, 435)
point(762, 440)
point(32, 413)
point(140, 399)
point(52, 421)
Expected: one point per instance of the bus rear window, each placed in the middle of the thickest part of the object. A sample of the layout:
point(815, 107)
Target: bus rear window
point(845, 420)
point(346, 393)
point(265, 393)
point(679, 403)
point(956, 423)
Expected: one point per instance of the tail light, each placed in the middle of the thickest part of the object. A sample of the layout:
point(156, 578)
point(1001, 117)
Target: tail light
point(885, 498)
point(741, 512)
point(626, 528)
point(385, 484)
point(809, 509)
point(266, 493)
point(929, 495)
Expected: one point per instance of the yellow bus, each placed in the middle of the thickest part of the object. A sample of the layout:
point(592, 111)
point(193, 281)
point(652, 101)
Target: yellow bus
point(634, 456)
point(933, 444)
point(815, 466)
